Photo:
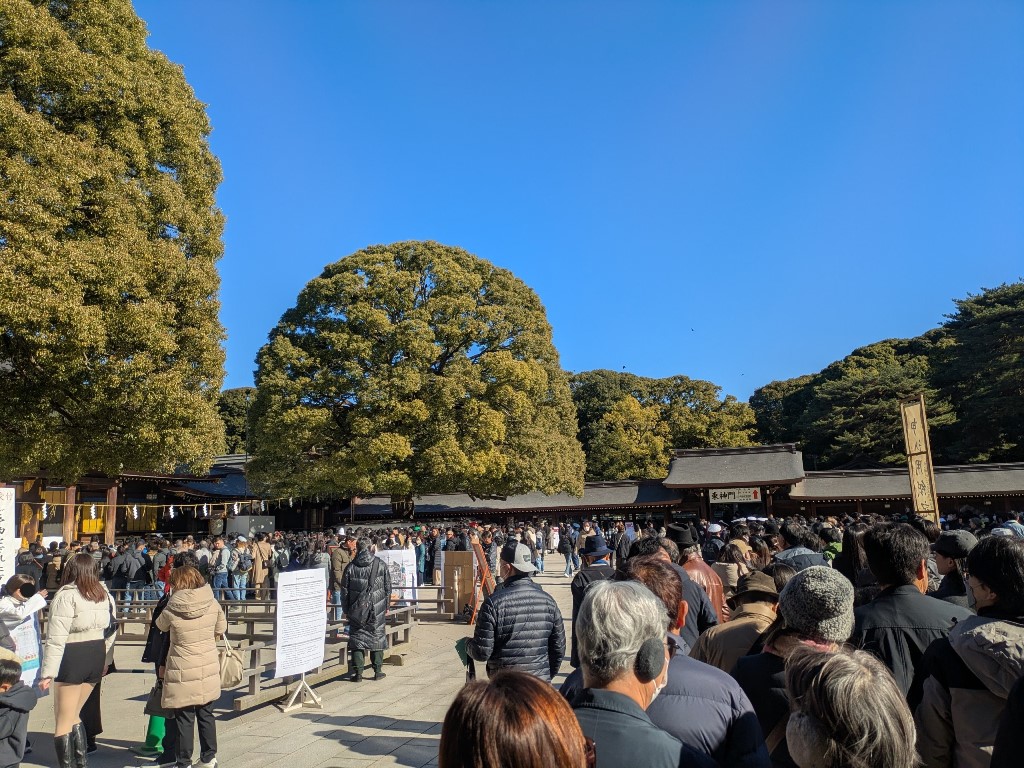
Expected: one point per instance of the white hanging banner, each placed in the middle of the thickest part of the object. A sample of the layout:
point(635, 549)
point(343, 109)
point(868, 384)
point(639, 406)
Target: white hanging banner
point(8, 542)
point(301, 621)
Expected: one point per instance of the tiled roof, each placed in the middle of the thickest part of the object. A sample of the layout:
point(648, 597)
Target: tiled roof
point(729, 467)
point(627, 494)
point(952, 481)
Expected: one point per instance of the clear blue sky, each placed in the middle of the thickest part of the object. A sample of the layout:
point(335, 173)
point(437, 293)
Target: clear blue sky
point(735, 191)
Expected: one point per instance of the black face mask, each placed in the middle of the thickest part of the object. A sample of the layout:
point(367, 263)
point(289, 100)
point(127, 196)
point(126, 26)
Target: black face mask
point(27, 590)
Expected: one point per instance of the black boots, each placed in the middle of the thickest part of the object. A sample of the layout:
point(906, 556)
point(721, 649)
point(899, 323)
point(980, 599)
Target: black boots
point(80, 745)
point(64, 748)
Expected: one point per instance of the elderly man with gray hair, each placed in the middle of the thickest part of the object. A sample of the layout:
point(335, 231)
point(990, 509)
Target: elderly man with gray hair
point(624, 657)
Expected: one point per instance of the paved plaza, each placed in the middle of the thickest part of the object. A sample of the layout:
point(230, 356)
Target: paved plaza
point(394, 722)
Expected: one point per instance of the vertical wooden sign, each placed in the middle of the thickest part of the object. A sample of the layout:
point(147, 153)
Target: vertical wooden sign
point(919, 459)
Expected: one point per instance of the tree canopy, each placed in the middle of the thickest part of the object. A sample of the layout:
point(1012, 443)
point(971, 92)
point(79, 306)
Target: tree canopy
point(970, 370)
point(674, 412)
point(413, 368)
point(233, 407)
point(110, 352)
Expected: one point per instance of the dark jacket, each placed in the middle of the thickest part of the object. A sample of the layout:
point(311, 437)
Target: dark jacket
point(622, 544)
point(800, 558)
point(157, 642)
point(898, 626)
point(1010, 737)
point(704, 708)
point(700, 615)
point(134, 566)
point(15, 704)
point(970, 675)
point(582, 580)
point(763, 678)
point(520, 626)
point(624, 735)
point(370, 635)
point(952, 589)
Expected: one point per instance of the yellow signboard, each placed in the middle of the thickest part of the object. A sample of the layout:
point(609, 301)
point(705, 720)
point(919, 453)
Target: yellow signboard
point(919, 458)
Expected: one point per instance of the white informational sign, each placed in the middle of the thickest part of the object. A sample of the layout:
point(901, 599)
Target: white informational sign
point(401, 565)
point(734, 495)
point(301, 621)
point(8, 543)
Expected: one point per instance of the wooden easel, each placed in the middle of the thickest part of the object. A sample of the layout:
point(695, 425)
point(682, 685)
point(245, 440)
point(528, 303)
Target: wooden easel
point(485, 584)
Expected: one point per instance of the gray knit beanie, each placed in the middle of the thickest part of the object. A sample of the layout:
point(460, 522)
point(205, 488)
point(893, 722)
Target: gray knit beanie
point(818, 603)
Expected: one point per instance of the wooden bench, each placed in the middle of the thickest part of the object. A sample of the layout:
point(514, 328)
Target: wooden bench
point(262, 687)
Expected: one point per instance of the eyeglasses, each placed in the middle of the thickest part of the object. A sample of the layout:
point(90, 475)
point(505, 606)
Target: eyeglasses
point(672, 646)
point(590, 751)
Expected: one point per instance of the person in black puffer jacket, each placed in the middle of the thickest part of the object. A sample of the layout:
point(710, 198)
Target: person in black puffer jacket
point(519, 626)
point(367, 589)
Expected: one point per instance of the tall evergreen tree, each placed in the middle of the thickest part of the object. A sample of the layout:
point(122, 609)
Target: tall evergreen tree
point(110, 352)
point(980, 368)
point(414, 368)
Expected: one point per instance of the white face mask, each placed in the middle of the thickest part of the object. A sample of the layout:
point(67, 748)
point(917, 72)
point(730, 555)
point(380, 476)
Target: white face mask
point(657, 690)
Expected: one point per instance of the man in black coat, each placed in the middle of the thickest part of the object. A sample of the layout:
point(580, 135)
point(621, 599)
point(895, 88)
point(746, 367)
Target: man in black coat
point(596, 567)
point(902, 621)
point(366, 589)
point(519, 626)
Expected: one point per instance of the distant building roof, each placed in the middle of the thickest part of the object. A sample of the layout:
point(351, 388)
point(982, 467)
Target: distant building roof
point(967, 480)
point(736, 467)
point(630, 494)
point(226, 480)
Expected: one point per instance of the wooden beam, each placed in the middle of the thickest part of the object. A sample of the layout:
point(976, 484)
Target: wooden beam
point(110, 516)
point(70, 528)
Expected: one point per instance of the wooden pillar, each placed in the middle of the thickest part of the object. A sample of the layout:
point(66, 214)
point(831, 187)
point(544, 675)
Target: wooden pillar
point(70, 528)
point(110, 516)
point(769, 501)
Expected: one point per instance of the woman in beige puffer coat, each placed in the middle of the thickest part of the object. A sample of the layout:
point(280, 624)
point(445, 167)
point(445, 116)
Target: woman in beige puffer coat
point(191, 676)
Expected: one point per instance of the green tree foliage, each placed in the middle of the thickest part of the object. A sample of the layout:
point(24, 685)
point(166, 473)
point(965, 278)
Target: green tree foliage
point(970, 371)
point(233, 407)
point(980, 368)
point(777, 408)
point(413, 368)
point(692, 412)
point(632, 441)
point(854, 411)
point(110, 352)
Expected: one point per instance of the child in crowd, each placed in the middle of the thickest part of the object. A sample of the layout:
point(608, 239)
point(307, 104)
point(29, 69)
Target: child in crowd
point(16, 701)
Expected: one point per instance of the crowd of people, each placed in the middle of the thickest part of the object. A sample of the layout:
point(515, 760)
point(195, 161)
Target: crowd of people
point(836, 643)
point(840, 643)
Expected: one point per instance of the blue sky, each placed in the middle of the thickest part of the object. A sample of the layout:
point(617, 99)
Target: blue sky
point(735, 191)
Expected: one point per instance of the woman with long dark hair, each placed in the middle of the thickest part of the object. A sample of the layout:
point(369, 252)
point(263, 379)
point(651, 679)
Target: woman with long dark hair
point(79, 647)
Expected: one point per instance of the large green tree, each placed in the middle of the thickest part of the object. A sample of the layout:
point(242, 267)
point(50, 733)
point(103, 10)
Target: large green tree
point(110, 352)
point(631, 441)
point(980, 368)
point(233, 406)
point(691, 414)
point(413, 368)
point(778, 407)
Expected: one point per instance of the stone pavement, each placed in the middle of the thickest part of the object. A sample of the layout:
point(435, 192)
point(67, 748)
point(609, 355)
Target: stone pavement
point(394, 722)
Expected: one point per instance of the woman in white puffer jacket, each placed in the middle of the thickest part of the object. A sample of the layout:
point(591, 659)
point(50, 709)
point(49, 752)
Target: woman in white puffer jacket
point(79, 647)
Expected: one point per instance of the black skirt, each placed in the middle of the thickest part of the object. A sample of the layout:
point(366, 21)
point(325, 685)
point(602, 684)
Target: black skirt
point(82, 662)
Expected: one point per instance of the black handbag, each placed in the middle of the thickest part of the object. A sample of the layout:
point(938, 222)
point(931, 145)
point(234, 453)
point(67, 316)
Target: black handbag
point(111, 629)
point(154, 704)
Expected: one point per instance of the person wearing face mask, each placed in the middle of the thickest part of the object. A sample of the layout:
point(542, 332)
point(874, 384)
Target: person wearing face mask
point(519, 626)
point(624, 655)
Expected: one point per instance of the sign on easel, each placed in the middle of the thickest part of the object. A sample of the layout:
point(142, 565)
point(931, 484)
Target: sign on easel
point(919, 459)
point(301, 628)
